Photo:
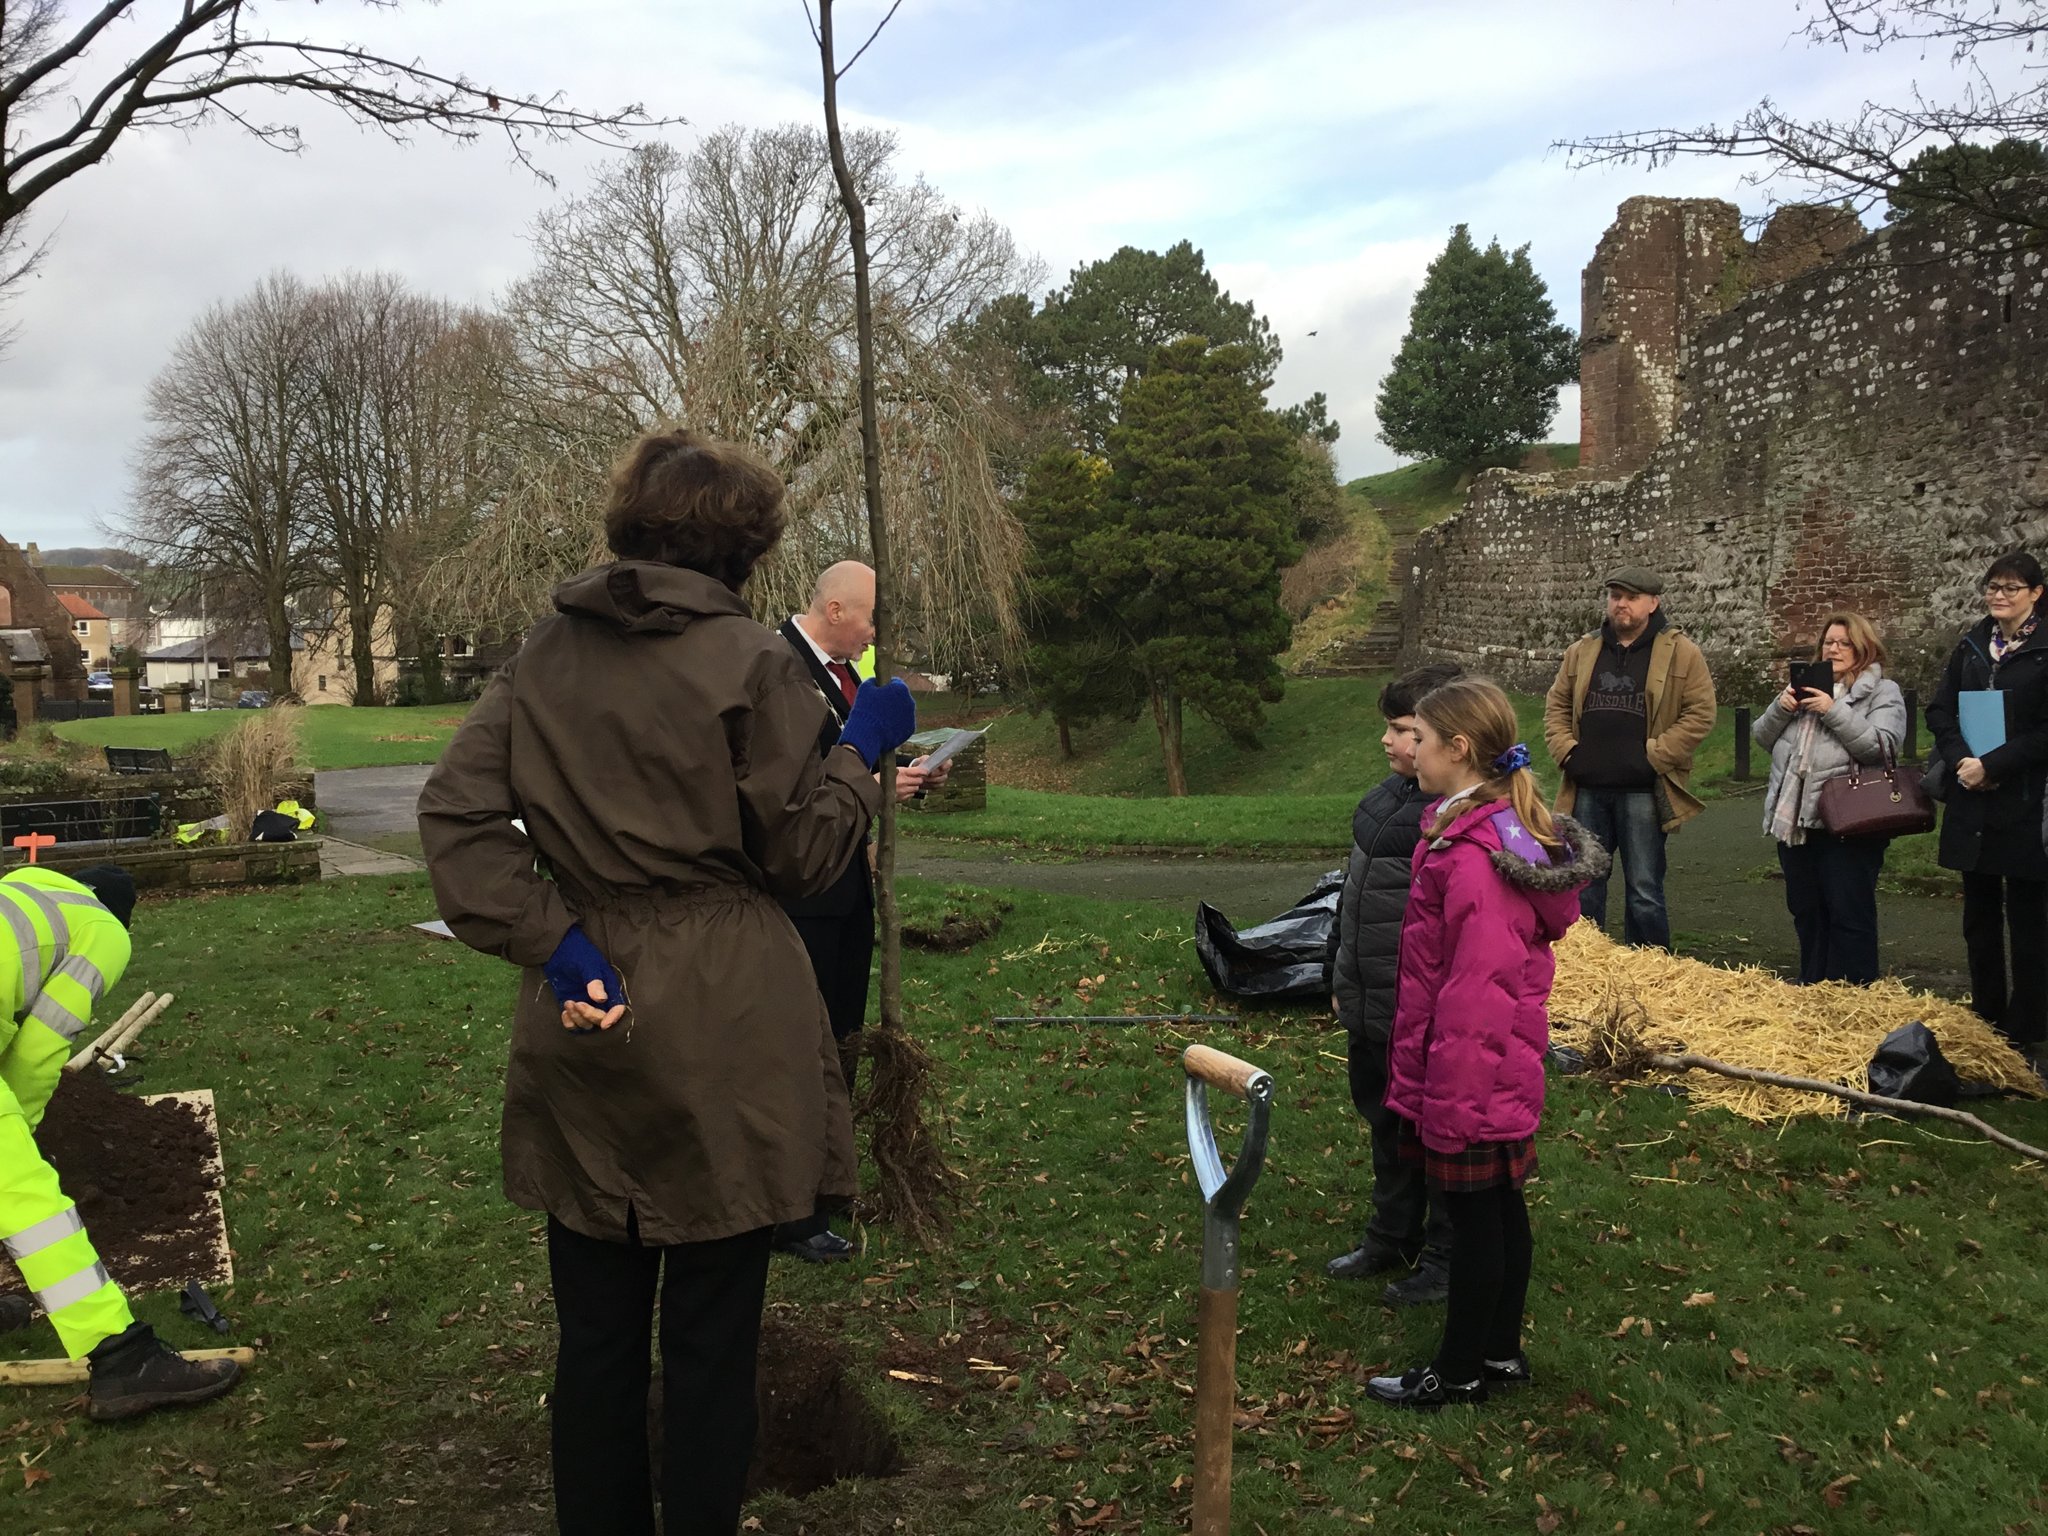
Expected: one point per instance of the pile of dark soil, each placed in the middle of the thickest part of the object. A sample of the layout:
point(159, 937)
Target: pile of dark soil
point(953, 933)
point(140, 1175)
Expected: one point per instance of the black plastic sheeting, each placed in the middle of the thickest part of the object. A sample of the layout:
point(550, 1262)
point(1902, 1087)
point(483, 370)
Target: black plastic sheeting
point(1909, 1065)
point(1281, 960)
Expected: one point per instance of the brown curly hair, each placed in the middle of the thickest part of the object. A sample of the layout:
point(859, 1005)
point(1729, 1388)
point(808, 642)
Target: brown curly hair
point(685, 499)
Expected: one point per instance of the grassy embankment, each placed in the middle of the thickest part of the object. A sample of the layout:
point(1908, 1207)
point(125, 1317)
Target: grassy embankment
point(1829, 1329)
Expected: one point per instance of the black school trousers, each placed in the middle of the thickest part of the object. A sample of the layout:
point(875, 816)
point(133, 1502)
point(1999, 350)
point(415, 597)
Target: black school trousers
point(711, 1295)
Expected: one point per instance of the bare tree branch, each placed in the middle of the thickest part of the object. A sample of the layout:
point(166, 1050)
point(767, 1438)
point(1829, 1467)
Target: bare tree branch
point(1862, 158)
point(63, 108)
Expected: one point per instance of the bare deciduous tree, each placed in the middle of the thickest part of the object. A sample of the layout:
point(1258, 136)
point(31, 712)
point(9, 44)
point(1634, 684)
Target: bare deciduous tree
point(72, 85)
point(1858, 159)
point(716, 288)
point(402, 389)
point(222, 490)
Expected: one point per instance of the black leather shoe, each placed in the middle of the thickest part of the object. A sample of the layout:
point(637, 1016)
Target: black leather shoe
point(1368, 1258)
point(824, 1248)
point(15, 1312)
point(1423, 1390)
point(1428, 1286)
point(1507, 1373)
point(135, 1372)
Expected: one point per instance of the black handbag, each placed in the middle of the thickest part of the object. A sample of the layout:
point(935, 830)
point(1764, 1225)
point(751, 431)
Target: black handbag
point(1873, 802)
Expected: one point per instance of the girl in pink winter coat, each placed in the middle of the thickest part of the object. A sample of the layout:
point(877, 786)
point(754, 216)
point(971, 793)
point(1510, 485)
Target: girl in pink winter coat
point(1496, 885)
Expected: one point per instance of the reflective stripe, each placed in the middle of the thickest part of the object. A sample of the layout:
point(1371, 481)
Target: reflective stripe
point(84, 972)
point(56, 1015)
point(74, 1287)
point(51, 1229)
point(26, 941)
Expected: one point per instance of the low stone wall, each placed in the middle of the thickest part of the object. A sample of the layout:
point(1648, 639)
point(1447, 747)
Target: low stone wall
point(162, 867)
point(966, 787)
point(186, 796)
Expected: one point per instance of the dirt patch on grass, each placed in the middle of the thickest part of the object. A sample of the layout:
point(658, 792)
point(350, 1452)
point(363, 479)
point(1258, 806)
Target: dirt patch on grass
point(945, 1369)
point(139, 1175)
point(816, 1426)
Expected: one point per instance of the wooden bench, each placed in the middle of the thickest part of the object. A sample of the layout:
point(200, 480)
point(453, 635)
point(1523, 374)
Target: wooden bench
point(138, 759)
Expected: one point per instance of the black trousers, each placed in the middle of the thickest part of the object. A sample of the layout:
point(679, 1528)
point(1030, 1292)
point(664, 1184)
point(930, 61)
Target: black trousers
point(1403, 1215)
point(1831, 892)
point(711, 1297)
point(842, 951)
point(1996, 907)
point(1491, 1256)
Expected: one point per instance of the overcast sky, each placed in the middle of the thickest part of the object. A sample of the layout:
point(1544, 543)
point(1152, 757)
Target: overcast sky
point(1318, 151)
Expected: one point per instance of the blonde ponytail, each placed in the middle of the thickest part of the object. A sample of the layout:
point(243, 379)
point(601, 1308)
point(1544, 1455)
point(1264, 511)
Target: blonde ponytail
point(1477, 709)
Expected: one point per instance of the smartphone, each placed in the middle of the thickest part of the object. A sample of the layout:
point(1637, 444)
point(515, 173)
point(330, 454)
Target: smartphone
point(1816, 675)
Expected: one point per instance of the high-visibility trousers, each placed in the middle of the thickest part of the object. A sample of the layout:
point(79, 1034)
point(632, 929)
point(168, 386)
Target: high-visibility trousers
point(41, 1230)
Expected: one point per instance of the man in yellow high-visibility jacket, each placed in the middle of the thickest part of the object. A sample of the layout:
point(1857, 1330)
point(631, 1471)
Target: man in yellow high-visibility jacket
point(69, 945)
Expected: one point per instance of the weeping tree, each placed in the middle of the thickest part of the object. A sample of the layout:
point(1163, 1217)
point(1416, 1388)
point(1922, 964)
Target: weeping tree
point(717, 288)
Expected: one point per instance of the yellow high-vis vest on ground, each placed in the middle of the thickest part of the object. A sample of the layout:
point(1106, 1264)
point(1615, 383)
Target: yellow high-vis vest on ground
point(61, 954)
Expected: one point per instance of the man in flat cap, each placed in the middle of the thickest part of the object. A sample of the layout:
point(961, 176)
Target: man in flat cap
point(1631, 703)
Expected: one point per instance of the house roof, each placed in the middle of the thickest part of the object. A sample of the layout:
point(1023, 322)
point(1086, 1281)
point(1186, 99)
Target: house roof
point(55, 576)
point(249, 645)
point(78, 607)
point(24, 644)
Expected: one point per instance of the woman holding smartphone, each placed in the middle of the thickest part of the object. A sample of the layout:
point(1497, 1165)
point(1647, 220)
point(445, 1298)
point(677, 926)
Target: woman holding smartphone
point(1840, 713)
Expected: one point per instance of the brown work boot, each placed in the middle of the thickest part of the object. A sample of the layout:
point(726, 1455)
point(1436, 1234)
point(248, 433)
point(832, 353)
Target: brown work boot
point(15, 1312)
point(135, 1372)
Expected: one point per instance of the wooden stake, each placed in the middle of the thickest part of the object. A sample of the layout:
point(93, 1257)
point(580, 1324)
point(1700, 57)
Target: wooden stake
point(74, 1373)
point(98, 1047)
point(128, 1036)
point(1853, 1095)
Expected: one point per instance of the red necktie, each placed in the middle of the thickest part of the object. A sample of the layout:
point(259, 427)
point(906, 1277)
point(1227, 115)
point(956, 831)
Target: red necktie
point(849, 680)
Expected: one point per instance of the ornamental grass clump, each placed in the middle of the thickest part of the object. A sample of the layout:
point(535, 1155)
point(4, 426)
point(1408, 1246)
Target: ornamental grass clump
point(252, 761)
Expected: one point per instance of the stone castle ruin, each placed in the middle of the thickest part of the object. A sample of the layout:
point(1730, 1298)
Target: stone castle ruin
point(1820, 418)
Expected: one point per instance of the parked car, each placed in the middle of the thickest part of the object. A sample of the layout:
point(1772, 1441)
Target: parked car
point(99, 682)
point(253, 698)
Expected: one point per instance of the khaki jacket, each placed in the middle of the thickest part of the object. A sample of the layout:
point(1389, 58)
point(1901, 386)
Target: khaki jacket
point(1680, 695)
point(662, 750)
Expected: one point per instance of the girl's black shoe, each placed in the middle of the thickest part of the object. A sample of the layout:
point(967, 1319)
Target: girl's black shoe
point(1424, 1390)
point(1507, 1373)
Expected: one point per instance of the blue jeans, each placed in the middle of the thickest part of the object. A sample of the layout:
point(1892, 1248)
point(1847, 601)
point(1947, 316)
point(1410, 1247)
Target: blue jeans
point(1626, 825)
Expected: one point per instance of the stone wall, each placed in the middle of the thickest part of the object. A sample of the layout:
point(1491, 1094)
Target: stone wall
point(1870, 434)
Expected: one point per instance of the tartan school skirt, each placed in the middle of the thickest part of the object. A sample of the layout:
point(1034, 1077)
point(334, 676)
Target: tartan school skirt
point(1483, 1165)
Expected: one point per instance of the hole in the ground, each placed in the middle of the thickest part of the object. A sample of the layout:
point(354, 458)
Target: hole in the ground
point(816, 1428)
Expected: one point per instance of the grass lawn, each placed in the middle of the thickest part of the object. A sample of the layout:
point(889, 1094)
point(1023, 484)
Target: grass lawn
point(1416, 495)
point(1320, 750)
point(1832, 1328)
point(335, 737)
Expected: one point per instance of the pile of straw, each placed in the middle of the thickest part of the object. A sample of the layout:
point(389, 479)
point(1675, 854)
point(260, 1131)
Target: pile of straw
point(1750, 1018)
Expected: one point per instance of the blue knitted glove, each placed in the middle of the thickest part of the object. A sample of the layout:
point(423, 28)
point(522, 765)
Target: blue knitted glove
point(882, 718)
point(574, 965)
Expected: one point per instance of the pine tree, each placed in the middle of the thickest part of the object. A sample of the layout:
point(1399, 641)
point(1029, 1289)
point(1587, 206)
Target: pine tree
point(1199, 526)
point(1078, 659)
point(1964, 175)
point(1476, 379)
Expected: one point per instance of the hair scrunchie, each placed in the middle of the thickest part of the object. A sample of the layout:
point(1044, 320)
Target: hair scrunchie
point(1513, 760)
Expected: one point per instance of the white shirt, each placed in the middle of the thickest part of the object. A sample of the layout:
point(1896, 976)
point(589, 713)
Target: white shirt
point(797, 620)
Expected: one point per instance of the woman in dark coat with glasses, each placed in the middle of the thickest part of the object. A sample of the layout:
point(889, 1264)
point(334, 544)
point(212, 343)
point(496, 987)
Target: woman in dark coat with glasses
point(1991, 827)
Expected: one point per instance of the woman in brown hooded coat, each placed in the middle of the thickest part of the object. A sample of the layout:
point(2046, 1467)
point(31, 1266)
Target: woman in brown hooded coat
point(673, 1090)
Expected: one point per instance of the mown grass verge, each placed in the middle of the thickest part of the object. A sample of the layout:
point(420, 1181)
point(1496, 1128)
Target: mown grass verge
point(334, 737)
point(1832, 1327)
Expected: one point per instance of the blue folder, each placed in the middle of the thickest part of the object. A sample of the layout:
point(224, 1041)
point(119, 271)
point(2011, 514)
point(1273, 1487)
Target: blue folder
point(1983, 720)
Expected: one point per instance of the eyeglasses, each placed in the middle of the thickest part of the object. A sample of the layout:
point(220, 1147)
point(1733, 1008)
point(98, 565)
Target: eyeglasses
point(2005, 588)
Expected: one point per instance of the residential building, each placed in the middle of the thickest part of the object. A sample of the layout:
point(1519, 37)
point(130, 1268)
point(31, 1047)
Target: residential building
point(91, 629)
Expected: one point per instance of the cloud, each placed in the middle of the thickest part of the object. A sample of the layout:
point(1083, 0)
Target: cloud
point(1317, 150)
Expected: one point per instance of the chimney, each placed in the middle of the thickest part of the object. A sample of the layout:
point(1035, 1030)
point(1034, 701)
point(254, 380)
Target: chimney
point(35, 556)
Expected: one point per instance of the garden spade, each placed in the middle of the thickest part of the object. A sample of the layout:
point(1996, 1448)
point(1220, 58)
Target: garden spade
point(1223, 1197)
